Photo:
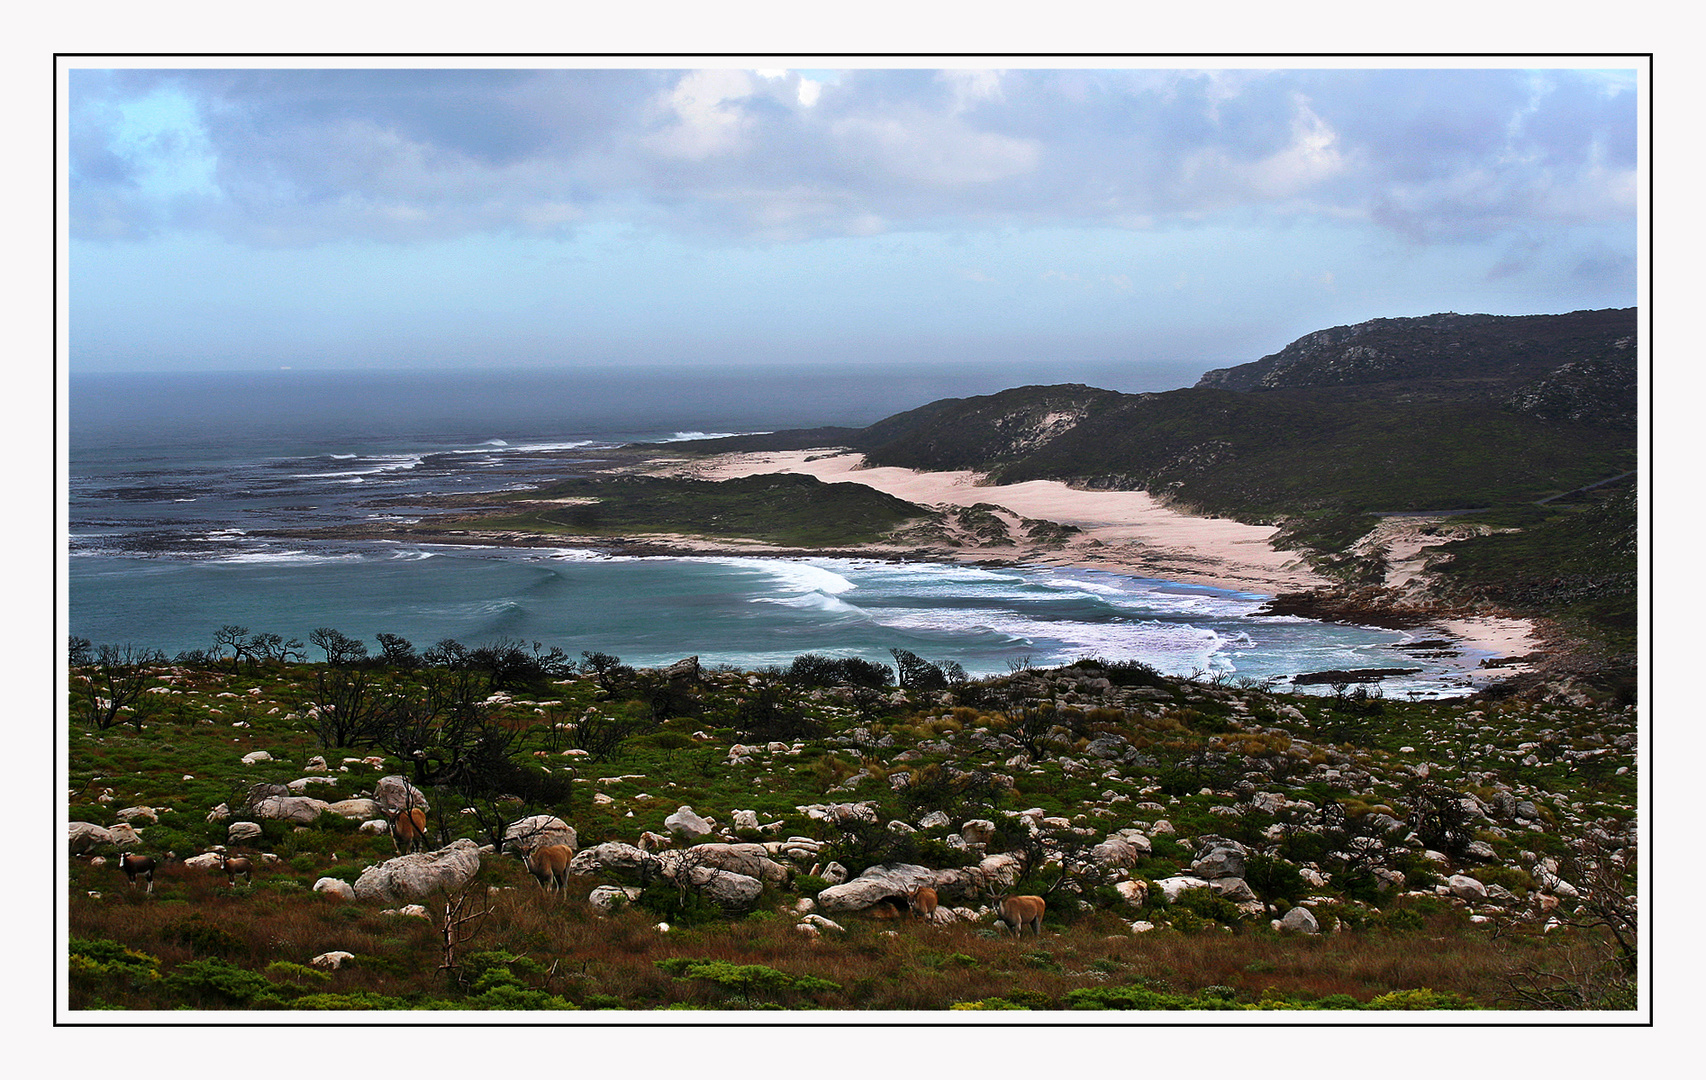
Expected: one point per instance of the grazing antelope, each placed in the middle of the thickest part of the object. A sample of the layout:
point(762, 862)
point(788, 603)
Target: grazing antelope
point(922, 901)
point(550, 866)
point(1018, 912)
point(408, 829)
point(135, 866)
point(242, 864)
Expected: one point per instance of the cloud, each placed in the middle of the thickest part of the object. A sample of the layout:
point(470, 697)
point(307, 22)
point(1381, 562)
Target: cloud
point(292, 157)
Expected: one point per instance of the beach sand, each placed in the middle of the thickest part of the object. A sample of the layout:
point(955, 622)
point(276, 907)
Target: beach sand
point(1126, 532)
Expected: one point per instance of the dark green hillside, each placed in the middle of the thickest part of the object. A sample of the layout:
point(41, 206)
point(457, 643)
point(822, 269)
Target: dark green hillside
point(773, 508)
point(1441, 355)
point(1268, 456)
point(1294, 452)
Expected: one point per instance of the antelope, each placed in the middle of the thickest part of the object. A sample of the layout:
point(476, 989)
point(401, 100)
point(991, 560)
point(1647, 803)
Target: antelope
point(922, 901)
point(550, 866)
point(242, 864)
point(135, 866)
point(409, 827)
point(1018, 912)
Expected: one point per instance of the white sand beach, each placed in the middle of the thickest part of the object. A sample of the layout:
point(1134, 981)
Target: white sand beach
point(1125, 531)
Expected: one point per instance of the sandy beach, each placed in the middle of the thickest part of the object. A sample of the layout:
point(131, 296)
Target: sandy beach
point(1127, 532)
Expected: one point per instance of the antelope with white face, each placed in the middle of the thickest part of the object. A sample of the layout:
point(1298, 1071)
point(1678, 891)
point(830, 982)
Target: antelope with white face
point(242, 864)
point(135, 866)
point(1018, 912)
point(550, 866)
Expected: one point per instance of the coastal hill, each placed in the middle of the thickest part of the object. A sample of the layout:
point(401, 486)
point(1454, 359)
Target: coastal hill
point(1447, 355)
point(1509, 427)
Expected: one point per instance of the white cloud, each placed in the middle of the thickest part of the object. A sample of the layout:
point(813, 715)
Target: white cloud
point(775, 155)
point(707, 117)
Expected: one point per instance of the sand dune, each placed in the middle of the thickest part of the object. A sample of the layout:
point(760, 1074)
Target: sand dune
point(1126, 531)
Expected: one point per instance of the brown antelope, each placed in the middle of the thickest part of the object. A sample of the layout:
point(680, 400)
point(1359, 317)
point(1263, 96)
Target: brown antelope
point(135, 866)
point(408, 829)
point(922, 901)
point(1018, 912)
point(242, 864)
point(550, 866)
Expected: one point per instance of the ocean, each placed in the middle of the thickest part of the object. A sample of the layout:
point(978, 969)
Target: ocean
point(174, 480)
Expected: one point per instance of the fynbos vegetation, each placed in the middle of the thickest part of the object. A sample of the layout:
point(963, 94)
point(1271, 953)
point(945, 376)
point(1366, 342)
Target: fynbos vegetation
point(600, 837)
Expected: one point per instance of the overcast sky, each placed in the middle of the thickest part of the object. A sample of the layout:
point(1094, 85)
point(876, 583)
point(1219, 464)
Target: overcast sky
point(249, 219)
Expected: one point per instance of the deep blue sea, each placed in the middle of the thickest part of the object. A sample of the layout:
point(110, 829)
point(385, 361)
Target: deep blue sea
point(174, 477)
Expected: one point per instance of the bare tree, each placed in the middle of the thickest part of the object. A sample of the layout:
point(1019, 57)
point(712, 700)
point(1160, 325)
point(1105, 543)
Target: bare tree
point(345, 711)
point(464, 914)
point(117, 683)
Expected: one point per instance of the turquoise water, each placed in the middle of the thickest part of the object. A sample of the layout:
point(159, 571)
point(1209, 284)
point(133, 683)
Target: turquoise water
point(173, 488)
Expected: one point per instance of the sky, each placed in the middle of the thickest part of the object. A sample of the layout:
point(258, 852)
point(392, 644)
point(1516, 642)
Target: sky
point(232, 219)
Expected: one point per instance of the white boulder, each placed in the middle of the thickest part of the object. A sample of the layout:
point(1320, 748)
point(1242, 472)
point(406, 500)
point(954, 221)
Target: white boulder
point(415, 877)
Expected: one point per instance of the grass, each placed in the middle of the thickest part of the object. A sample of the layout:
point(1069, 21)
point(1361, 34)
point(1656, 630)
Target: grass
point(779, 509)
point(205, 944)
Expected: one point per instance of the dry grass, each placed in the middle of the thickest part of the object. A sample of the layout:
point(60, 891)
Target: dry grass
point(602, 961)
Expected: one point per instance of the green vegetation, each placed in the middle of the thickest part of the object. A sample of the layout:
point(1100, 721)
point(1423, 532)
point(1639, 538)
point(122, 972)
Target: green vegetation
point(1574, 563)
point(778, 509)
point(1056, 760)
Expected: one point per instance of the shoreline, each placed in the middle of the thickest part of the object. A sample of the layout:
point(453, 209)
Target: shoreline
point(1125, 532)
point(1122, 532)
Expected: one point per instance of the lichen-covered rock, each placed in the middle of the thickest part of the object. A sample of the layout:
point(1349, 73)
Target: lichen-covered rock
point(296, 808)
point(1171, 887)
point(394, 793)
point(354, 809)
point(541, 830)
point(609, 898)
point(1114, 853)
point(333, 887)
point(749, 859)
point(888, 881)
point(684, 824)
point(85, 835)
point(624, 860)
point(1218, 857)
point(1299, 920)
point(415, 877)
point(239, 831)
point(1134, 893)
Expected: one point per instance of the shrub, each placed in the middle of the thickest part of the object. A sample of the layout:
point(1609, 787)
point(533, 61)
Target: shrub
point(1420, 1000)
point(214, 981)
point(203, 938)
point(1274, 879)
point(356, 1000)
point(1209, 905)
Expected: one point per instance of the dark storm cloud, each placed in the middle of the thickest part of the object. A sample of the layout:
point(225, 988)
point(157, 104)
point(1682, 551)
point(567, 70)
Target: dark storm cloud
point(294, 157)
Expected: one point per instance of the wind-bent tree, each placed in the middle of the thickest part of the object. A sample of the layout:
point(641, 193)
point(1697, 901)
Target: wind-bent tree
point(340, 648)
point(397, 652)
point(235, 638)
